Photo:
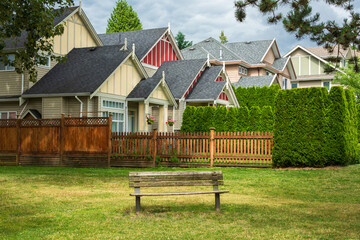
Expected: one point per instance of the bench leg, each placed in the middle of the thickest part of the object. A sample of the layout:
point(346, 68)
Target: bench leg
point(137, 205)
point(217, 201)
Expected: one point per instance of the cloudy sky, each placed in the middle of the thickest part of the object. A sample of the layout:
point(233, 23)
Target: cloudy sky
point(200, 19)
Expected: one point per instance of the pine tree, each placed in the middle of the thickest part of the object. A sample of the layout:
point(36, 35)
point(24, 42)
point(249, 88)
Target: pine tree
point(231, 120)
point(220, 119)
point(208, 118)
point(181, 42)
point(188, 124)
point(222, 37)
point(254, 119)
point(123, 18)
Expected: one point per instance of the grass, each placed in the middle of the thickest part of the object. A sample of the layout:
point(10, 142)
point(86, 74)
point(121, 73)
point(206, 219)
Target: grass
point(68, 203)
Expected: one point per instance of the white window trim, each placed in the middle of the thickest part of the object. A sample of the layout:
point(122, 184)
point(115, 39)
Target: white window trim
point(322, 84)
point(115, 101)
point(285, 80)
point(6, 66)
point(46, 66)
point(8, 114)
point(297, 85)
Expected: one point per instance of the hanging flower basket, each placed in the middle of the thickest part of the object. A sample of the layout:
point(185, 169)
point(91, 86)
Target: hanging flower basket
point(150, 120)
point(170, 122)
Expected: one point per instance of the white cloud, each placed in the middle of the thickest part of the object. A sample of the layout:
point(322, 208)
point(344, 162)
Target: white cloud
point(200, 19)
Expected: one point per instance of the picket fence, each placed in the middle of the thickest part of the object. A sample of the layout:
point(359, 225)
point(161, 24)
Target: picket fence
point(192, 149)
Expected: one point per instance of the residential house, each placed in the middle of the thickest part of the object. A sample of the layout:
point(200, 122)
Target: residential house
point(78, 32)
point(310, 65)
point(252, 63)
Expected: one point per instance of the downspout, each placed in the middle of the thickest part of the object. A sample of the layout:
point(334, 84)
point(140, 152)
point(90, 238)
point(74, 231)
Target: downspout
point(81, 105)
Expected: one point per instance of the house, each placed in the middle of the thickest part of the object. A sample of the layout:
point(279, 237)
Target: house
point(153, 46)
point(78, 32)
point(191, 82)
point(310, 65)
point(252, 63)
point(130, 75)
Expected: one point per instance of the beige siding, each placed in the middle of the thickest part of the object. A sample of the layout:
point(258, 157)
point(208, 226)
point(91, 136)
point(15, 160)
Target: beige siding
point(310, 84)
point(233, 72)
point(299, 52)
point(52, 107)
point(76, 34)
point(159, 94)
point(314, 70)
point(270, 57)
point(150, 71)
point(10, 83)
point(123, 80)
point(304, 68)
point(10, 107)
point(253, 72)
point(34, 103)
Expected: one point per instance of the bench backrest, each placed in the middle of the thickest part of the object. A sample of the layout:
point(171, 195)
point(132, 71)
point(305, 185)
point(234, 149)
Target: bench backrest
point(176, 178)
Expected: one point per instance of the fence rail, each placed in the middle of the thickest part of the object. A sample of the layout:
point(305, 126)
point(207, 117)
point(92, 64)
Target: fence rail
point(181, 149)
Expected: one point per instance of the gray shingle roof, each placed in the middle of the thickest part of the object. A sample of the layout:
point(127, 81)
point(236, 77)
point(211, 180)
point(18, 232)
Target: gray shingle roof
point(19, 42)
point(180, 74)
point(250, 52)
point(83, 72)
point(143, 39)
point(144, 88)
point(279, 63)
point(211, 46)
point(207, 88)
point(256, 81)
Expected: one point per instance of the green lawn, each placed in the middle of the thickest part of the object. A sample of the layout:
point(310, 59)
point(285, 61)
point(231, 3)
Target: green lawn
point(68, 203)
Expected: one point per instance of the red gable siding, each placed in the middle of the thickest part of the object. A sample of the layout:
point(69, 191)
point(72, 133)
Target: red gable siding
point(163, 51)
point(223, 96)
point(193, 83)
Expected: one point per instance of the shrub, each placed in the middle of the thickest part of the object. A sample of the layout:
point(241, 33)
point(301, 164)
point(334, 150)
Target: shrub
point(188, 124)
point(352, 127)
point(208, 118)
point(231, 119)
point(254, 119)
point(199, 119)
point(242, 119)
point(220, 119)
point(257, 96)
point(267, 119)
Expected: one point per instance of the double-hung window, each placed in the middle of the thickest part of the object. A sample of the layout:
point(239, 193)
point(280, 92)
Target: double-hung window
point(7, 67)
point(285, 81)
point(8, 115)
point(294, 85)
point(327, 85)
point(117, 110)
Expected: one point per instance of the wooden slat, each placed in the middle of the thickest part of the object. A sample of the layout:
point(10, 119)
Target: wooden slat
point(174, 178)
point(176, 173)
point(175, 184)
point(177, 193)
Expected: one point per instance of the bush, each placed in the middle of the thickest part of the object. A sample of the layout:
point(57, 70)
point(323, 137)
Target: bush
point(257, 96)
point(254, 119)
point(231, 119)
point(353, 124)
point(208, 118)
point(267, 119)
point(188, 124)
point(220, 119)
point(199, 119)
point(242, 119)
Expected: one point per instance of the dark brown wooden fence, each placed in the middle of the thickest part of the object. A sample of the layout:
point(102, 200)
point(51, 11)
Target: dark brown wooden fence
point(192, 149)
point(79, 142)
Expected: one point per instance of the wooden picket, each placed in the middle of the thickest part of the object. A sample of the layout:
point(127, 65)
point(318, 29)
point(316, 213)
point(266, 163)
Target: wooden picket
point(191, 149)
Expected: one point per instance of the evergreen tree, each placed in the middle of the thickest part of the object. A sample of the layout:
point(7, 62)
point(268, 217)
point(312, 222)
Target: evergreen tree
point(267, 119)
point(243, 119)
point(208, 118)
point(254, 119)
point(222, 37)
point(123, 18)
point(199, 119)
point(188, 123)
point(303, 22)
point(220, 119)
point(352, 125)
point(231, 120)
point(181, 42)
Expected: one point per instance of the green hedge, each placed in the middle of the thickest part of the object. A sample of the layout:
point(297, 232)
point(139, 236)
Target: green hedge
point(314, 128)
point(257, 96)
point(200, 119)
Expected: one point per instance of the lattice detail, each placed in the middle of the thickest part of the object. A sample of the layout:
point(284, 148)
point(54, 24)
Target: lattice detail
point(89, 121)
point(8, 123)
point(40, 123)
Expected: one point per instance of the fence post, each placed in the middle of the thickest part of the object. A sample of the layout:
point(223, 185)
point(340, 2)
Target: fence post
point(18, 140)
point(62, 138)
point(212, 141)
point(155, 146)
point(109, 140)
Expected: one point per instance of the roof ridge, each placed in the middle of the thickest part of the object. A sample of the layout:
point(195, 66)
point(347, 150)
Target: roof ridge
point(150, 29)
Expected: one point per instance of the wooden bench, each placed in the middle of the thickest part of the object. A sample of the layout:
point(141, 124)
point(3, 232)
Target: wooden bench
point(176, 179)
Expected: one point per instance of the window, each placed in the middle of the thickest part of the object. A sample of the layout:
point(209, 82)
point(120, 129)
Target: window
point(7, 115)
point(48, 61)
point(242, 70)
point(3, 67)
point(294, 85)
point(327, 85)
point(117, 121)
point(113, 104)
point(285, 83)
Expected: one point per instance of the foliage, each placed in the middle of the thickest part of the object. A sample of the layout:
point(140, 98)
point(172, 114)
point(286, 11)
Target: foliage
point(257, 96)
point(303, 22)
point(313, 130)
point(34, 20)
point(220, 119)
point(358, 119)
point(208, 118)
point(232, 119)
point(181, 42)
point(174, 159)
point(254, 119)
point(222, 37)
point(267, 119)
point(199, 119)
point(243, 120)
point(123, 18)
point(349, 78)
point(188, 124)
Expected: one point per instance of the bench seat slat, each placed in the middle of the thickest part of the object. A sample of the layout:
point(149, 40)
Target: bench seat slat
point(174, 184)
point(175, 178)
point(176, 173)
point(177, 193)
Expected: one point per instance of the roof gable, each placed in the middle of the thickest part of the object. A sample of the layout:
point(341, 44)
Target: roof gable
point(84, 71)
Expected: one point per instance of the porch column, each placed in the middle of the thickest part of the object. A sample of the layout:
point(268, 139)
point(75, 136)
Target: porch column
point(126, 117)
point(161, 119)
point(166, 114)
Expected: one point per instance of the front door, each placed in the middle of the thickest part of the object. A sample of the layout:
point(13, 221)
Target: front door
point(131, 121)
